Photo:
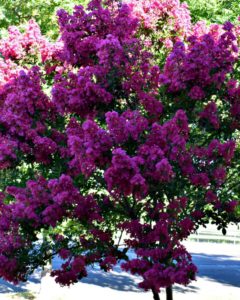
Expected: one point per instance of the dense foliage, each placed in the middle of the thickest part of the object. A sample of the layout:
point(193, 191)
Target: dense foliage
point(106, 140)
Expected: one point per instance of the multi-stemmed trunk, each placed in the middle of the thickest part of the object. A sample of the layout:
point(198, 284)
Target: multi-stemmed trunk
point(155, 295)
point(169, 294)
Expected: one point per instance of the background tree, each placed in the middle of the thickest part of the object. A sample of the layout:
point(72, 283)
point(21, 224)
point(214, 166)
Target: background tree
point(15, 12)
point(214, 11)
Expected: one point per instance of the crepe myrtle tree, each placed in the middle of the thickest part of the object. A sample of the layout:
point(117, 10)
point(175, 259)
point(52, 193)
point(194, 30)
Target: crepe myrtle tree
point(162, 23)
point(20, 49)
point(24, 47)
point(118, 146)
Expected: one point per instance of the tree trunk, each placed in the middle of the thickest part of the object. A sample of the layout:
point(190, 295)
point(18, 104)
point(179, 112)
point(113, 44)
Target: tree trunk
point(155, 295)
point(169, 293)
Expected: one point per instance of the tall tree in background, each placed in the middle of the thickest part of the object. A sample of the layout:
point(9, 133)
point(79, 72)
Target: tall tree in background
point(15, 12)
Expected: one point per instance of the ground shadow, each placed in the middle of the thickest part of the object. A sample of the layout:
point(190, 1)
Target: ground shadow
point(221, 268)
point(117, 280)
point(185, 289)
point(7, 287)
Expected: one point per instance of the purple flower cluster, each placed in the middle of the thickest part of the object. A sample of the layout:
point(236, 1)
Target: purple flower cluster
point(89, 146)
point(123, 176)
point(48, 202)
point(112, 63)
point(169, 262)
point(233, 97)
point(201, 64)
point(79, 93)
point(96, 34)
point(131, 124)
point(210, 115)
point(71, 271)
point(7, 152)
point(21, 101)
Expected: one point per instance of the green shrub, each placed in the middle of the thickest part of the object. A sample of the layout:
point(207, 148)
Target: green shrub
point(214, 11)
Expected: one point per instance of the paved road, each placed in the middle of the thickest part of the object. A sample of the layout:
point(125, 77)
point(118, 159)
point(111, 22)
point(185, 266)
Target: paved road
point(218, 279)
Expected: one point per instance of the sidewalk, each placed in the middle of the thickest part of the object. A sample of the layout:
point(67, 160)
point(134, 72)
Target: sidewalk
point(218, 279)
